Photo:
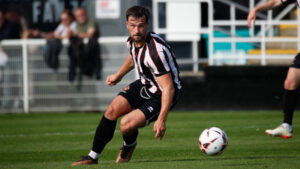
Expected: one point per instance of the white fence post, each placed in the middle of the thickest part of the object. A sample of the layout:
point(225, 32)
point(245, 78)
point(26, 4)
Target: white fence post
point(195, 56)
point(263, 45)
point(233, 30)
point(270, 27)
point(251, 6)
point(155, 15)
point(25, 77)
point(210, 33)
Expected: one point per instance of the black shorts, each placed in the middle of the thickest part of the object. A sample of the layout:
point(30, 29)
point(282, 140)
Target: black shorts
point(140, 98)
point(296, 62)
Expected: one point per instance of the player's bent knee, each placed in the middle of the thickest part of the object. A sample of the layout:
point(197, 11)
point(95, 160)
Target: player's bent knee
point(290, 84)
point(111, 113)
point(126, 126)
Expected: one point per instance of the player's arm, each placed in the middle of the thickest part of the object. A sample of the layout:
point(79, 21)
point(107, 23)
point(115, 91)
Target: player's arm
point(127, 66)
point(166, 82)
point(270, 4)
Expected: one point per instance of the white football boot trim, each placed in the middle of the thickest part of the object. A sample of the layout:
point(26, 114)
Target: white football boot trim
point(280, 131)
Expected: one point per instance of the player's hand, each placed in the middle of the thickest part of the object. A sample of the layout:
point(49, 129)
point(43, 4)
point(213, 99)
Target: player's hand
point(251, 17)
point(159, 128)
point(113, 79)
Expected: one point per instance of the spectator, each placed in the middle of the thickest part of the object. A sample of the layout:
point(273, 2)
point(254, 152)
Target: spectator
point(67, 25)
point(7, 29)
point(86, 28)
point(86, 57)
point(64, 30)
point(14, 18)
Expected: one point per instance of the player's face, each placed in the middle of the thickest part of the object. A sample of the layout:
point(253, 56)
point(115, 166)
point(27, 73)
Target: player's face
point(138, 28)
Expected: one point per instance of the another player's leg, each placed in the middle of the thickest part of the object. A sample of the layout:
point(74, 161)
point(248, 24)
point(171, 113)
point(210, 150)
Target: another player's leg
point(129, 128)
point(105, 129)
point(289, 103)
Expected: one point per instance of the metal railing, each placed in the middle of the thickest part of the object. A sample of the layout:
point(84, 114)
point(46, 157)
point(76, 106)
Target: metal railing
point(29, 85)
point(265, 26)
point(264, 36)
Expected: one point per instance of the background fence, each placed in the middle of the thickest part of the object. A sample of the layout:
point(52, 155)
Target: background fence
point(27, 84)
point(38, 88)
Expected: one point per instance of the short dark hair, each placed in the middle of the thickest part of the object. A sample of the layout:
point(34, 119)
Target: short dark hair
point(138, 12)
point(69, 13)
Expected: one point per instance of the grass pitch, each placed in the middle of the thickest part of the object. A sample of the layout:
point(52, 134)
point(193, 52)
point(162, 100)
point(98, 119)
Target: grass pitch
point(54, 141)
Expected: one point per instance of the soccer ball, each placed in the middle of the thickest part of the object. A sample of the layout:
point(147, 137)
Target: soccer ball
point(213, 141)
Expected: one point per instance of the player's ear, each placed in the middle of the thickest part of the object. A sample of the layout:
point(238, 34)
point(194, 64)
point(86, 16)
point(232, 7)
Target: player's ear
point(127, 24)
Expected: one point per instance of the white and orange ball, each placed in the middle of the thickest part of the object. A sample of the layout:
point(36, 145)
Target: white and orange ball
point(213, 141)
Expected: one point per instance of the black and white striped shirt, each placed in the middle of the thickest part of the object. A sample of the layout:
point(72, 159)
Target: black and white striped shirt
point(153, 59)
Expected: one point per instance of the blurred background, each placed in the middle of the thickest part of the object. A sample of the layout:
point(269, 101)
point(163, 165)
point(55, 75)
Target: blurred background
point(224, 65)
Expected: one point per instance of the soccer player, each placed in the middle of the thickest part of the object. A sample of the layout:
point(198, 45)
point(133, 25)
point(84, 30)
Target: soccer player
point(292, 80)
point(145, 100)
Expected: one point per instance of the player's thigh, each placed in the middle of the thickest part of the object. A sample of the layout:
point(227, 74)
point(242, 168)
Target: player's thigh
point(133, 120)
point(118, 107)
point(292, 80)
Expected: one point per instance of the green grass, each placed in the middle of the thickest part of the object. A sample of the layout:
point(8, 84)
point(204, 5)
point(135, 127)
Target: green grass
point(54, 141)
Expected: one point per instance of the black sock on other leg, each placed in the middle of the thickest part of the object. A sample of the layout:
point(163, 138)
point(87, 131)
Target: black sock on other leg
point(289, 104)
point(131, 139)
point(104, 133)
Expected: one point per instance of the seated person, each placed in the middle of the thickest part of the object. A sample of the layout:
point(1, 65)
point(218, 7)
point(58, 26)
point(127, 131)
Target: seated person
point(86, 57)
point(86, 28)
point(64, 30)
point(67, 25)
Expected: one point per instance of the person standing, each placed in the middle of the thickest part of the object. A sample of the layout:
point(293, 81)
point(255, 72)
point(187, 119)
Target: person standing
point(292, 80)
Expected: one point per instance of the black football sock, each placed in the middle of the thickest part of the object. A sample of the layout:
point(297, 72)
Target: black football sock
point(104, 133)
point(131, 139)
point(289, 104)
